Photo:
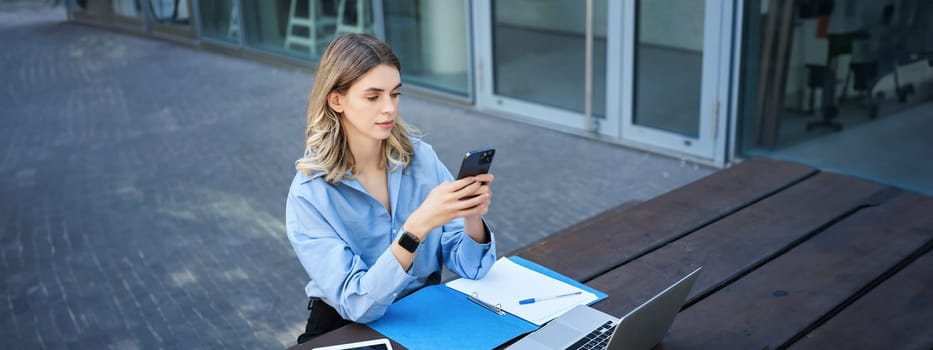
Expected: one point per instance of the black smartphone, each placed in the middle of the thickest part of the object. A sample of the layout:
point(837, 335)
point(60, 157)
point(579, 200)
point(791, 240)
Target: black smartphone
point(476, 162)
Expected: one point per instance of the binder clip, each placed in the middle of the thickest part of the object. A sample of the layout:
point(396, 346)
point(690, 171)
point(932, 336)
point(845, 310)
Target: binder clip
point(494, 308)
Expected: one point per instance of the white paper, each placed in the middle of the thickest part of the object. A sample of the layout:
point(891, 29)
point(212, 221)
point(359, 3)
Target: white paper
point(508, 282)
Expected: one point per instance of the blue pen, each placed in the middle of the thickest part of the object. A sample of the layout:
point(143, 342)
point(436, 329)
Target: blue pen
point(535, 300)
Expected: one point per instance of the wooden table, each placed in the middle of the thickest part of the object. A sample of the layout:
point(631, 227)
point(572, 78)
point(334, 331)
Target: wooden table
point(792, 257)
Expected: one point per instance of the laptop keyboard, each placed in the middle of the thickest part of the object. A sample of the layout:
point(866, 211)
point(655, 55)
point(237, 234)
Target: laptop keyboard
point(597, 339)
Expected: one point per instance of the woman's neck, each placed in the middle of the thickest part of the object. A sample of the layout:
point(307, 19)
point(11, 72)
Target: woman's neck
point(368, 155)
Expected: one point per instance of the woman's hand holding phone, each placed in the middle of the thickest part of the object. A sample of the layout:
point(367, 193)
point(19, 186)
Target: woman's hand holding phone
point(473, 224)
point(469, 197)
point(485, 180)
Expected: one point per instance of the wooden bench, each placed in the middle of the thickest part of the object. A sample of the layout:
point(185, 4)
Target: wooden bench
point(731, 247)
point(580, 252)
point(791, 256)
point(900, 309)
point(780, 302)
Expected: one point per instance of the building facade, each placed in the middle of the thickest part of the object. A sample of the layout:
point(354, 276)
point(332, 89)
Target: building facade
point(815, 81)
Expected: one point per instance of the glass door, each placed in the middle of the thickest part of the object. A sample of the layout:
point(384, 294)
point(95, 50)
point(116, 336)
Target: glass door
point(674, 74)
point(86, 10)
point(533, 61)
point(128, 13)
point(173, 17)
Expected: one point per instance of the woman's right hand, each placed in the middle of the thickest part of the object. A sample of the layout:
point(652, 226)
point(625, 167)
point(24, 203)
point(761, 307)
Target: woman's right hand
point(446, 202)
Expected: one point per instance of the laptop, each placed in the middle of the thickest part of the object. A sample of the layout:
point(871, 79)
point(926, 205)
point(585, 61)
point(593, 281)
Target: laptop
point(585, 327)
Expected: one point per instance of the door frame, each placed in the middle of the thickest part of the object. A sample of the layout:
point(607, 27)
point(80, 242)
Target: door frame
point(714, 91)
point(486, 99)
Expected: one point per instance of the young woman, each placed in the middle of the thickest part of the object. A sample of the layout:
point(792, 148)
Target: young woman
point(372, 213)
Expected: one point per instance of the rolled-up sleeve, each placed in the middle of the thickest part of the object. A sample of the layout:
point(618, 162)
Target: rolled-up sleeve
point(359, 292)
point(465, 256)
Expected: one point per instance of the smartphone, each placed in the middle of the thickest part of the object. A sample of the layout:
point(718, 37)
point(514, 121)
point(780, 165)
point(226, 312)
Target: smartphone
point(476, 162)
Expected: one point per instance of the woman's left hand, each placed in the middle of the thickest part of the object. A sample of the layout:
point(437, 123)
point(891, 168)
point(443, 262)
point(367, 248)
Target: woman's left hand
point(486, 180)
point(473, 224)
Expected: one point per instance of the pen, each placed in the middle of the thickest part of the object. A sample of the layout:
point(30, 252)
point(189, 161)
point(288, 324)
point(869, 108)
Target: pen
point(535, 300)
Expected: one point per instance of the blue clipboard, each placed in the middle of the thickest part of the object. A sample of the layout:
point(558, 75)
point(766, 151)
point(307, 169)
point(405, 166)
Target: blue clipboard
point(437, 317)
point(440, 317)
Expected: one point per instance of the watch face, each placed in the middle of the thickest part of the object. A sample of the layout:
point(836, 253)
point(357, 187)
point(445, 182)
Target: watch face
point(409, 242)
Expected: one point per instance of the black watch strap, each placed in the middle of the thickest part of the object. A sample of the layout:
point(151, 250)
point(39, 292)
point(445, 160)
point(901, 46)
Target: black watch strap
point(409, 241)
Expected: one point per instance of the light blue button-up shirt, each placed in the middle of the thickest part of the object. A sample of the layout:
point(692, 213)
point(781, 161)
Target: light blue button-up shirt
point(342, 235)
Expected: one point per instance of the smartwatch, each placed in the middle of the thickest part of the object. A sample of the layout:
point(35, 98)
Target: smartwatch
point(409, 241)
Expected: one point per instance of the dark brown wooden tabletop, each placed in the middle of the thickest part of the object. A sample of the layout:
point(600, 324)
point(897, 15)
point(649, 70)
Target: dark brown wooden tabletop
point(792, 257)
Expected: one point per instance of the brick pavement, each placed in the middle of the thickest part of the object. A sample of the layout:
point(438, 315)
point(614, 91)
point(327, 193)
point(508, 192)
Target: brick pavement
point(142, 188)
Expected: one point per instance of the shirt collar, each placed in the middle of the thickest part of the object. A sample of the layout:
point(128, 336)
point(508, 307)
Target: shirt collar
point(314, 175)
point(320, 173)
point(394, 182)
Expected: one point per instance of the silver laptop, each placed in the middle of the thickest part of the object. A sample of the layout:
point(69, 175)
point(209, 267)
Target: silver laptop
point(586, 327)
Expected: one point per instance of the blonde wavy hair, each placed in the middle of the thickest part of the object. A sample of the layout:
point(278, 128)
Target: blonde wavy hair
point(347, 58)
